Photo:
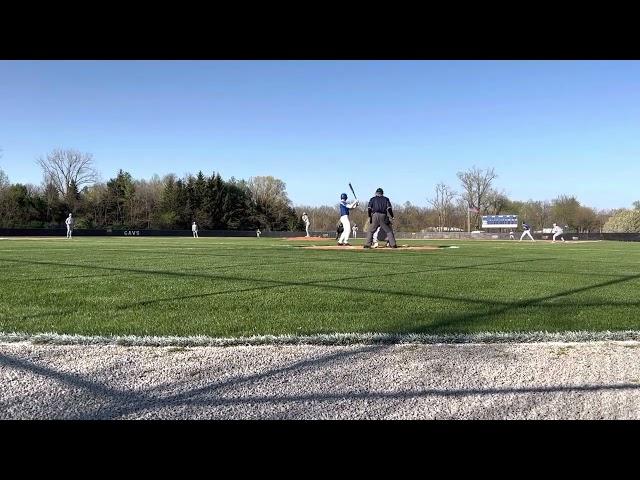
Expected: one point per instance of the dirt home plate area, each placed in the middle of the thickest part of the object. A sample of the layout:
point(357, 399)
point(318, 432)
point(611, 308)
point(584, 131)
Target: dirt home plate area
point(355, 247)
point(359, 247)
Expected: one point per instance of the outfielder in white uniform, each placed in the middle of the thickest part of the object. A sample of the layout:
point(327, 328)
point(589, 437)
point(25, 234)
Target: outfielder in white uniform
point(527, 231)
point(258, 232)
point(511, 237)
point(344, 219)
point(194, 229)
point(305, 219)
point(557, 231)
point(69, 222)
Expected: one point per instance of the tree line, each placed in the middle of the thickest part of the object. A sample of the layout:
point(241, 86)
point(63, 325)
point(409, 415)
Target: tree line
point(71, 184)
point(458, 210)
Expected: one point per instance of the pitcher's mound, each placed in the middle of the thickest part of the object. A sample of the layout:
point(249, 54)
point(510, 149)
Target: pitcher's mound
point(380, 249)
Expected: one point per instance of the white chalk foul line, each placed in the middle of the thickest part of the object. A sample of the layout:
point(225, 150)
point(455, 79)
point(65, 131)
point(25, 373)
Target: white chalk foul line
point(322, 339)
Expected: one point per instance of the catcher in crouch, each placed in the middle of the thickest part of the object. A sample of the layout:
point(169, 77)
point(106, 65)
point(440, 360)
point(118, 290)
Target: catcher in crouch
point(380, 212)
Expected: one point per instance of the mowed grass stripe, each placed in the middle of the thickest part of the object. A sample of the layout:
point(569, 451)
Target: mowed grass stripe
point(240, 287)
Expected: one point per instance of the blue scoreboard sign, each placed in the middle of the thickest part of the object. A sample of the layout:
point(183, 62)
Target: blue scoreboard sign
point(499, 221)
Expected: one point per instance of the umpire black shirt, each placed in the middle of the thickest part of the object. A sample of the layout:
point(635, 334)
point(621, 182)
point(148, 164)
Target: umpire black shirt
point(380, 204)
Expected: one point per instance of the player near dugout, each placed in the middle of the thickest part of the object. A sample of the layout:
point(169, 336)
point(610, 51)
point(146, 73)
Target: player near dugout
point(380, 215)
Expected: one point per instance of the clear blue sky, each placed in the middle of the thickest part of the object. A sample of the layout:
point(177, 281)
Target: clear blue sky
point(548, 128)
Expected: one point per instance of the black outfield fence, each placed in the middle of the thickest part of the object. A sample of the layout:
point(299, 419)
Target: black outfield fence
point(48, 232)
point(625, 237)
point(78, 232)
point(61, 232)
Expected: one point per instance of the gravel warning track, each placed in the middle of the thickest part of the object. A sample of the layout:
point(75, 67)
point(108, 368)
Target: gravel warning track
point(591, 380)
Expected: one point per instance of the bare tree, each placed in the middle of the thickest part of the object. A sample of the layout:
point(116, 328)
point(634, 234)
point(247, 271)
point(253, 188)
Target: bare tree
point(442, 203)
point(4, 180)
point(537, 213)
point(476, 186)
point(268, 190)
point(496, 202)
point(270, 196)
point(145, 201)
point(565, 210)
point(64, 167)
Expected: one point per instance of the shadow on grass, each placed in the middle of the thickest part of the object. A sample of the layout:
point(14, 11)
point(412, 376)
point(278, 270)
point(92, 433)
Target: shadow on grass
point(447, 323)
point(271, 284)
point(455, 322)
point(245, 279)
point(59, 278)
point(311, 256)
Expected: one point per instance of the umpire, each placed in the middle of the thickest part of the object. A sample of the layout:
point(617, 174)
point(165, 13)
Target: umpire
point(380, 214)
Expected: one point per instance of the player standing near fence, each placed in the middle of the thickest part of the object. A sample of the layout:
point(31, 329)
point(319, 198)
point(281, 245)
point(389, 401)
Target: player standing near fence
point(194, 229)
point(69, 223)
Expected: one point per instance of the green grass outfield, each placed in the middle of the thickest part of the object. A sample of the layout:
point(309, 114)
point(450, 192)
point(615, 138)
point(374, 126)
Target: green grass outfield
point(226, 287)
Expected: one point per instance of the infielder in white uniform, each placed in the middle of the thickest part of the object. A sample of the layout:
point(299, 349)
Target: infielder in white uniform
point(194, 229)
point(511, 237)
point(305, 219)
point(344, 218)
point(69, 222)
point(557, 231)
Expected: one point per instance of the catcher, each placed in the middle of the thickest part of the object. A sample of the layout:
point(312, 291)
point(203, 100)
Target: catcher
point(380, 216)
point(381, 235)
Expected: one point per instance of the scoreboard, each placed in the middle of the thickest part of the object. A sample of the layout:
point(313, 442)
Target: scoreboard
point(500, 221)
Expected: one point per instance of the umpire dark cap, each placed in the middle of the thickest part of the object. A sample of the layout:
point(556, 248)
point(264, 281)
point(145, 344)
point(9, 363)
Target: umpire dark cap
point(380, 191)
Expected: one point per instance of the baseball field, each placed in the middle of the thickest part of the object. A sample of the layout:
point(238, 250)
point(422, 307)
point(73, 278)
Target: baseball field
point(224, 287)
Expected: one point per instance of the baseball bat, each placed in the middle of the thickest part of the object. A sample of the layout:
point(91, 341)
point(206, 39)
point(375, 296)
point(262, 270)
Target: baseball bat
point(354, 193)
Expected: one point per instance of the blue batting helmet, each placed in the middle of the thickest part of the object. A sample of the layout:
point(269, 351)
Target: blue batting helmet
point(343, 196)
